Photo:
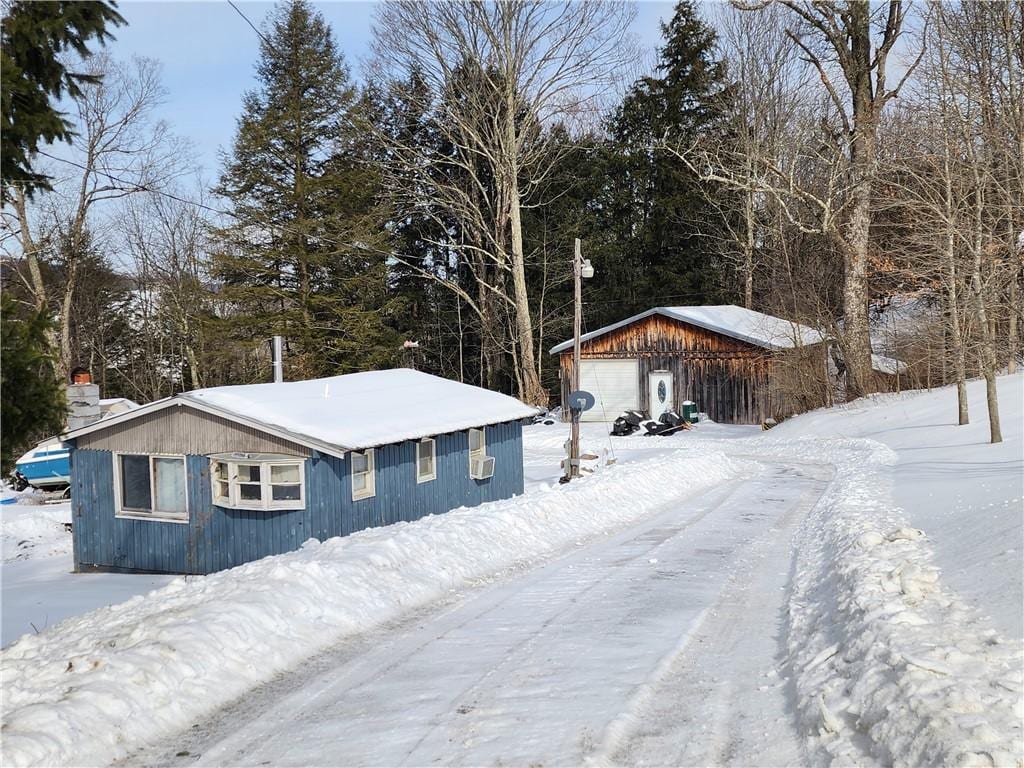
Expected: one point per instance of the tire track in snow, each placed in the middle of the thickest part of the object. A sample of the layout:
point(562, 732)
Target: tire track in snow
point(722, 696)
point(523, 671)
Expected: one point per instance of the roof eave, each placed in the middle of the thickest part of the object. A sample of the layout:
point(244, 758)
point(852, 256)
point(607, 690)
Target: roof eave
point(664, 312)
point(183, 400)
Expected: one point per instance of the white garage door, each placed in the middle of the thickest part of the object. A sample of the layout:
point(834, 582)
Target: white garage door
point(615, 385)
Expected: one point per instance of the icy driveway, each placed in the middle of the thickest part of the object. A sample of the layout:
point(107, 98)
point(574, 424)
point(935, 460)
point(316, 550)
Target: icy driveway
point(558, 665)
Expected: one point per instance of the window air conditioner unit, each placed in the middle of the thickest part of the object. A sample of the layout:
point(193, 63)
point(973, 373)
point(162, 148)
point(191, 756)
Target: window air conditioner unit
point(482, 468)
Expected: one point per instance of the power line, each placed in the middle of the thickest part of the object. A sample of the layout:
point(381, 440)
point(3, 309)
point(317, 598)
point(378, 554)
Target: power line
point(254, 27)
point(135, 186)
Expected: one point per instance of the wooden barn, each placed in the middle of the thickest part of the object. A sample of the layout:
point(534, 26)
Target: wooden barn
point(213, 478)
point(737, 365)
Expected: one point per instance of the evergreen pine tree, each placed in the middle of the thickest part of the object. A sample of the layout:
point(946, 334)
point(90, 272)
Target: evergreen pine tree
point(657, 207)
point(31, 397)
point(34, 76)
point(305, 258)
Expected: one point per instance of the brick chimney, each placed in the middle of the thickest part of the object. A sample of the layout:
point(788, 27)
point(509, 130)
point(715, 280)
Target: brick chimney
point(83, 398)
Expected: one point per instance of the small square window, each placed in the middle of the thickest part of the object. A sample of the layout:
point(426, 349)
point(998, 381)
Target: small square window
point(426, 461)
point(476, 440)
point(136, 491)
point(249, 492)
point(284, 473)
point(249, 473)
point(286, 492)
point(363, 483)
point(360, 462)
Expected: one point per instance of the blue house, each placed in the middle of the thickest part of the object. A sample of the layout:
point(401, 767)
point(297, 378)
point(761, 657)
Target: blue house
point(213, 478)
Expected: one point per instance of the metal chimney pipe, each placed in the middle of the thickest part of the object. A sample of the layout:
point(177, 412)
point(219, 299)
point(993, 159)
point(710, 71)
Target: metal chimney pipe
point(278, 360)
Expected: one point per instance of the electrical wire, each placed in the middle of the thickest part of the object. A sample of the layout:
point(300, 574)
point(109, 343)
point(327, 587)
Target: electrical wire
point(254, 27)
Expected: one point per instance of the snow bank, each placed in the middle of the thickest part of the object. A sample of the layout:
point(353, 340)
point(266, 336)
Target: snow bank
point(95, 687)
point(30, 528)
point(886, 660)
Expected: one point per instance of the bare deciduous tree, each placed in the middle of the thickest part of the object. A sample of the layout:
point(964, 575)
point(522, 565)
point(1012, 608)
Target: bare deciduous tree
point(494, 76)
point(849, 44)
point(119, 149)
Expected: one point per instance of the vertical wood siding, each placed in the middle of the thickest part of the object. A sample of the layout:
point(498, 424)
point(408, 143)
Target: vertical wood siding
point(216, 538)
point(729, 379)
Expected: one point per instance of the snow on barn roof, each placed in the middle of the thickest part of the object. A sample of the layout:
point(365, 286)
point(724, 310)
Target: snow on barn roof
point(887, 365)
point(727, 319)
point(350, 412)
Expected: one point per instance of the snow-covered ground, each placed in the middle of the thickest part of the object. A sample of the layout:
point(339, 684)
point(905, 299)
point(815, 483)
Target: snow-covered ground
point(967, 495)
point(93, 687)
point(39, 588)
point(845, 588)
point(559, 662)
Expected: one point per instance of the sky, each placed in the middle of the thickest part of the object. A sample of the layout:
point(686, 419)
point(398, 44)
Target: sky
point(209, 52)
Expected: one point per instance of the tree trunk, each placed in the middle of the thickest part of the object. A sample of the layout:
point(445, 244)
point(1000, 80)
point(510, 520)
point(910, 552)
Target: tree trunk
point(1013, 299)
point(66, 351)
point(988, 348)
point(532, 392)
point(959, 356)
point(859, 379)
point(748, 250)
point(30, 250)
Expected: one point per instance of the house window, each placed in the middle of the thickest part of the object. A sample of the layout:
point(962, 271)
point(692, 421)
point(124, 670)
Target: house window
point(363, 482)
point(481, 466)
point(477, 443)
point(151, 487)
point(426, 461)
point(258, 481)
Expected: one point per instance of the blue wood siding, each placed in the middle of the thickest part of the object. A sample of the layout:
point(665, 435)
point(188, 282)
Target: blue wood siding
point(216, 538)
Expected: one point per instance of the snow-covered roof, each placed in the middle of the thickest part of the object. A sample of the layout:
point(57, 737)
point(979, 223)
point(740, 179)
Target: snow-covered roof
point(737, 322)
point(889, 365)
point(350, 412)
point(113, 405)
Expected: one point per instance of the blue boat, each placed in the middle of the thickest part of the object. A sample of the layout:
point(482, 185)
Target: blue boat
point(46, 467)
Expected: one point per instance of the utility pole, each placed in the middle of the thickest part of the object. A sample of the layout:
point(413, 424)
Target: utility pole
point(580, 268)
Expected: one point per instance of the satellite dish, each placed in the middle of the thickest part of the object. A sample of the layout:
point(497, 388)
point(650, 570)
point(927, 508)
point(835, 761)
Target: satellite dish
point(581, 400)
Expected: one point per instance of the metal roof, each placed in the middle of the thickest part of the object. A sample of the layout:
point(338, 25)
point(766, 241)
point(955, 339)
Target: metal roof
point(746, 325)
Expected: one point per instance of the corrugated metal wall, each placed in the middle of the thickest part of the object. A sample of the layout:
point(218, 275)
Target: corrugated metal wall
point(184, 430)
point(216, 538)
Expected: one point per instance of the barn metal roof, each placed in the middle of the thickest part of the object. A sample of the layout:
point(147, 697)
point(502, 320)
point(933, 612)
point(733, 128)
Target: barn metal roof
point(746, 325)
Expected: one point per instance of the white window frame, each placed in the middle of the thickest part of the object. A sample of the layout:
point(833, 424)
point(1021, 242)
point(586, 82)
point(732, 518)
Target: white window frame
point(152, 514)
point(371, 475)
point(265, 462)
point(480, 452)
point(432, 475)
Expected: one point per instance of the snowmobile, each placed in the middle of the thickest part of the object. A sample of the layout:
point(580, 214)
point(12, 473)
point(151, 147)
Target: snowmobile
point(668, 423)
point(627, 423)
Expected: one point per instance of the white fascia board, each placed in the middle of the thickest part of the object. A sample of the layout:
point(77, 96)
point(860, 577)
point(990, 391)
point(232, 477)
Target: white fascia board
point(185, 401)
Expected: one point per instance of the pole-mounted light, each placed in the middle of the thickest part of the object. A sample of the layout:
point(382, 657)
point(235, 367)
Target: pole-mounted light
point(582, 268)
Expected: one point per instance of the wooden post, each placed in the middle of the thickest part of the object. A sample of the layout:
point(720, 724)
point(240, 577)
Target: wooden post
point(577, 272)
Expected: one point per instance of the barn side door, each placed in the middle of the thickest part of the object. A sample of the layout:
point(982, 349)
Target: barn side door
point(660, 393)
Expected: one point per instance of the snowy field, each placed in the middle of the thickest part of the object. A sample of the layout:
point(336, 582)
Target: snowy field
point(843, 589)
point(38, 586)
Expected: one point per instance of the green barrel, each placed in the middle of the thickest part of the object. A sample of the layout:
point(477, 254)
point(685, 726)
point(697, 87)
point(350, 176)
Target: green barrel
point(689, 411)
